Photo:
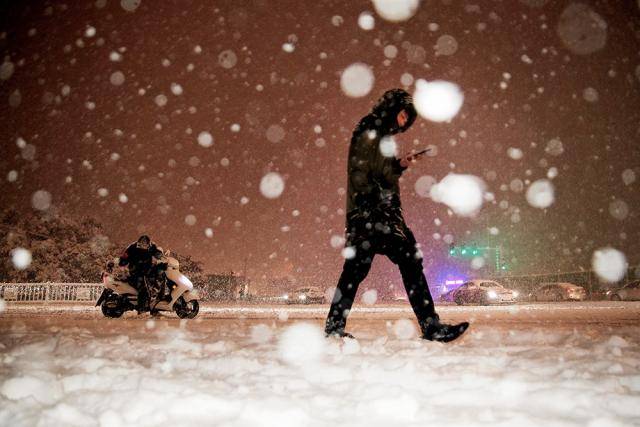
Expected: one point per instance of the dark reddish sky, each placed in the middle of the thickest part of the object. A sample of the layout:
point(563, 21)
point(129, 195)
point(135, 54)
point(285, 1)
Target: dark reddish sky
point(166, 175)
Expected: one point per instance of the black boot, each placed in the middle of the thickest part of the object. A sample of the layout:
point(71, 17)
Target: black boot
point(433, 330)
point(334, 326)
point(338, 333)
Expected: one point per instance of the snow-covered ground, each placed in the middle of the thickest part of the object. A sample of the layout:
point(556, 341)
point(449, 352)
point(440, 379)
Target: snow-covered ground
point(528, 365)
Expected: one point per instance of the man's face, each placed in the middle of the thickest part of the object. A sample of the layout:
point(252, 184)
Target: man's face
point(143, 244)
point(402, 118)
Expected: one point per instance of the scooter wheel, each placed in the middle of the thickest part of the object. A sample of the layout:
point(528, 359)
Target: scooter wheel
point(187, 309)
point(111, 309)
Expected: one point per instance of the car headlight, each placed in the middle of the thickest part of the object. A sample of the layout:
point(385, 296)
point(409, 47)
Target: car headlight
point(515, 294)
point(492, 294)
point(302, 297)
point(285, 296)
point(608, 293)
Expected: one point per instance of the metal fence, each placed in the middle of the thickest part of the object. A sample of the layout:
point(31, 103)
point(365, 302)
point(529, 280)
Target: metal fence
point(89, 292)
point(53, 292)
point(587, 279)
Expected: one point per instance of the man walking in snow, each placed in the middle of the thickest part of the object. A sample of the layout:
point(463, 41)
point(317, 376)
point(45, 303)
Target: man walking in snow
point(375, 224)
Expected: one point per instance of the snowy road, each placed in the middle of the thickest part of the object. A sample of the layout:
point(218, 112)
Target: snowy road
point(526, 365)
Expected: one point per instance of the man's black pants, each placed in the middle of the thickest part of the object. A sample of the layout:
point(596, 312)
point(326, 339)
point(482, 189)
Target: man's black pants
point(395, 240)
point(138, 282)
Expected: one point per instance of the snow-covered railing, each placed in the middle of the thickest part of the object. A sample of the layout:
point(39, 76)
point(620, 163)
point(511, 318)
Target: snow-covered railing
point(53, 292)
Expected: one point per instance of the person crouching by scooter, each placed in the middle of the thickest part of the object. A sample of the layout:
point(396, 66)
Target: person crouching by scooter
point(140, 258)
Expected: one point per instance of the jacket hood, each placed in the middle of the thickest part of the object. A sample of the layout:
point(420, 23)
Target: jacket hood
point(383, 116)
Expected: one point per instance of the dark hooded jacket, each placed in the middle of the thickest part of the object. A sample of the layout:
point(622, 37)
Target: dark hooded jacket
point(373, 188)
point(140, 261)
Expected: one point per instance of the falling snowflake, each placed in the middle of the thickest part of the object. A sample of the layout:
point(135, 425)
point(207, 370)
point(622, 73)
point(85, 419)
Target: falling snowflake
point(541, 194)
point(21, 258)
point(438, 101)
point(396, 10)
point(357, 80)
point(272, 185)
point(609, 264)
point(462, 193)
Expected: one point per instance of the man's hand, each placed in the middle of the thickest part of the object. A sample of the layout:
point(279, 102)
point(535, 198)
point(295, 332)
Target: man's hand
point(412, 157)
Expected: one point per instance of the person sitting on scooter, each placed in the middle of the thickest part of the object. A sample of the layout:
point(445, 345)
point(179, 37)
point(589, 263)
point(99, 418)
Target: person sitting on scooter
point(140, 257)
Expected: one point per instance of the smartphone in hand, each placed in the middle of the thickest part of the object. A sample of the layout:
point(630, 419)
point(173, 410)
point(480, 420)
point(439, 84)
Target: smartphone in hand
point(407, 159)
point(418, 154)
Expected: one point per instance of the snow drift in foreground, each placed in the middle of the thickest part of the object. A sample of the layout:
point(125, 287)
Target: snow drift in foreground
point(270, 373)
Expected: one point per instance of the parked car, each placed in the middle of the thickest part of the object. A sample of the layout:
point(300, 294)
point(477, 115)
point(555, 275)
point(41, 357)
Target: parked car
point(629, 292)
point(448, 295)
point(307, 295)
point(483, 292)
point(559, 292)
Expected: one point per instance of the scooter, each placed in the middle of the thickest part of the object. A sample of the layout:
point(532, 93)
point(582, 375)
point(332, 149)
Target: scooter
point(119, 296)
